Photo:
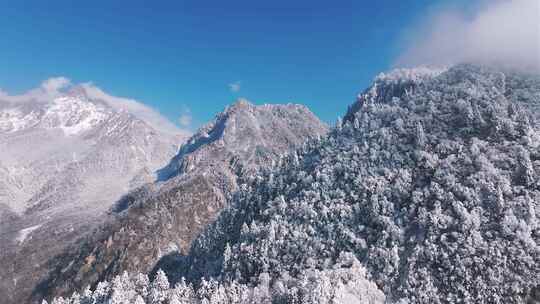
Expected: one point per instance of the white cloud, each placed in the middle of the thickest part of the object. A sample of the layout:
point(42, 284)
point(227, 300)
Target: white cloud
point(235, 86)
point(134, 107)
point(185, 118)
point(56, 86)
point(48, 90)
point(500, 31)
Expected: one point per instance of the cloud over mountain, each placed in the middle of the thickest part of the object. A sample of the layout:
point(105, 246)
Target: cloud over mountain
point(46, 91)
point(186, 118)
point(56, 86)
point(138, 109)
point(502, 32)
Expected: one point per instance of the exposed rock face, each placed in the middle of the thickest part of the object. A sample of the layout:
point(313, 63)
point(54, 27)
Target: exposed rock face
point(63, 164)
point(166, 216)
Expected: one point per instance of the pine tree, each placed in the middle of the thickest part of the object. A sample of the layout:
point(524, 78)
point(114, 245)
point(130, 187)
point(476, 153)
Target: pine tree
point(159, 288)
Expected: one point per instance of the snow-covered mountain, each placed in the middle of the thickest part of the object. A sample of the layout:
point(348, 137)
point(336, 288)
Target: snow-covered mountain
point(75, 140)
point(432, 187)
point(164, 217)
point(427, 192)
point(64, 162)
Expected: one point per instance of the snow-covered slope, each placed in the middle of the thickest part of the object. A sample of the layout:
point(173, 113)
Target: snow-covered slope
point(63, 163)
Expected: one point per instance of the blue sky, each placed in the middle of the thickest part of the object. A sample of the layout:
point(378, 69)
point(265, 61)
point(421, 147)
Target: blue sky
point(183, 55)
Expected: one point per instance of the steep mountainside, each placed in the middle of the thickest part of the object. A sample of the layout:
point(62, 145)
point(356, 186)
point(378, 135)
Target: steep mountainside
point(164, 218)
point(431, 184)
point(63, 164)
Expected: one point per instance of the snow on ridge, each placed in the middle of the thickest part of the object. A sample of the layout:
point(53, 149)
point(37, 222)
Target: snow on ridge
point(74, 115)
point(417, 74)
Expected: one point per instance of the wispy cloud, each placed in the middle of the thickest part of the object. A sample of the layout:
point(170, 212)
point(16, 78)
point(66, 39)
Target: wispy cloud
point(134, 107)
point(47, 90)
point(235, 86)
point(499, 31)
point(185, 118)
point(56, 86)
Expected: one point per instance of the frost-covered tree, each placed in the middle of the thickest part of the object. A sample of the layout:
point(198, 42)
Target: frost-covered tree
point(101, 292)
point(142, 285)
point(123, 290)
point(159, 288)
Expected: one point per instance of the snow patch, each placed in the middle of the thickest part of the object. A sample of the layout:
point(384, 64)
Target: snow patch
point(23, 234)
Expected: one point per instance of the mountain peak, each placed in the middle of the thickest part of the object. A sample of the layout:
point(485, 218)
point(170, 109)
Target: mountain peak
point(69, 113)
point(242, 128)
point(398, 83)
point(392, 84)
